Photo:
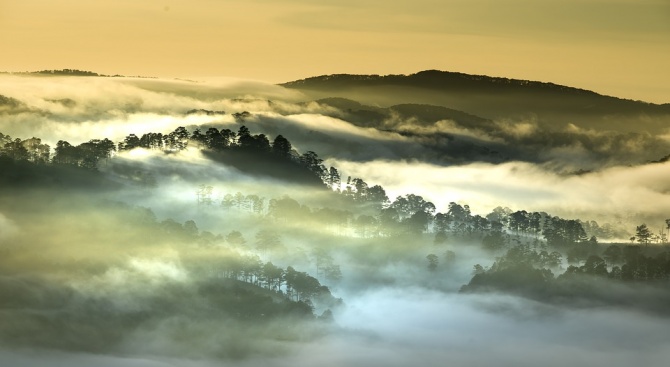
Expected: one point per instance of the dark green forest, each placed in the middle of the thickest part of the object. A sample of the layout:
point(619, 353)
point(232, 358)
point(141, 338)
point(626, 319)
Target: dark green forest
point(533, 254)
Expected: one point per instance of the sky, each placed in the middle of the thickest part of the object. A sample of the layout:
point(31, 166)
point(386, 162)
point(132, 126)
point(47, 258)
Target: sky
point(615, 47)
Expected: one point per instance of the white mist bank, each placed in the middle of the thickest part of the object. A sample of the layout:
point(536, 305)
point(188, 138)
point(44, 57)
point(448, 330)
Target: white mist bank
point(612, 194)
point(401, 327)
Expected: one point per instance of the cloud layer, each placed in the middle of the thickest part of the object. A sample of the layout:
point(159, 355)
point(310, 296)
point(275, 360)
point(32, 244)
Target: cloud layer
point(94, 277)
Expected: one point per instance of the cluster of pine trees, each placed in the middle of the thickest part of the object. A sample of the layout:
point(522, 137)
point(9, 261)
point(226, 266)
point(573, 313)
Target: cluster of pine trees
point(379, 216)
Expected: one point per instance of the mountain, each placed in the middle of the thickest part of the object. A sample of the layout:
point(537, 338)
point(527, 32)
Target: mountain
point(490, 98)
point(421, 114)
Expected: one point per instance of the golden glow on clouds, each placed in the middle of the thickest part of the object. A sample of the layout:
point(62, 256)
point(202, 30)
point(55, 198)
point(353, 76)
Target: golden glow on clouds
point(614, 47)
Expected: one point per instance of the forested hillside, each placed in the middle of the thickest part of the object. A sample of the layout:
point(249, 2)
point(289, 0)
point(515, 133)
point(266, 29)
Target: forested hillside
point(141, 216)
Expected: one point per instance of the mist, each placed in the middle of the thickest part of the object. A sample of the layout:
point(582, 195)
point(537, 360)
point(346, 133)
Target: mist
point(628, 194)
point(166, 257)
point(396, 327)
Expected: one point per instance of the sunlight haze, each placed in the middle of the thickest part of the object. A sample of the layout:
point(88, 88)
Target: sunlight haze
point(612, 47)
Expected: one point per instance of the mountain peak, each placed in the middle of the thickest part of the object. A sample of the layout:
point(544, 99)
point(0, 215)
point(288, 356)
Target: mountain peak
point(436, 79)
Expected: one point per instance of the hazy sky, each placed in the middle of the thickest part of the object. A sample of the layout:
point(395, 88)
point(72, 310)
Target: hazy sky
point(617, 47)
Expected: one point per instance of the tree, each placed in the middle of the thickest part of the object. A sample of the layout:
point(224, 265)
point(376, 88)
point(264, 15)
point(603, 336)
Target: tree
point(365, 225)
point(235, 238)
point(37, 152)
point(152, 141)
point(191, 229)
point(450, 257)
point(256, 203)
point(286, 208)
point(244, 138)
point(500, 215)
point(93, 151)
point(214, 140)
point(281, 147)
point(553, 259)
point(65, 153)
point(418, 222)
point(595, 266)
point(458, 213)
point(643, 234)
point(612, 254)
point(401, 206)
point(16, 150)
point(494, 241)
point(198, 137)
point(322, 259)
point(333, 273)
point(535, 223)
point(388, 221)
point(518, 221)
point(229, 137)
point(260, 143)
point(301, 286)
point(479, 224)
point(315, 164)
point(441, 222)
point(433, 261)
point(333, 181)
point(562, 232)
point(4, 139)
point(272, 276)
point(130, 142)
point(178, 139)
point(267, 241)
point(410, 204)
point(360, 189)
point(440, 238)
point(252, 269)
point(241, 116)
point(662, 237)
point(204, 195)
point(478, 269)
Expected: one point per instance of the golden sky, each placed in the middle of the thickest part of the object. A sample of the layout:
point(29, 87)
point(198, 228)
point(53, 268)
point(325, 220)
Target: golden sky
point(616, 47)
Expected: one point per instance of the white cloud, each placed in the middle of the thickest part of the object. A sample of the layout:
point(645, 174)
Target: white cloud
point(641, 191)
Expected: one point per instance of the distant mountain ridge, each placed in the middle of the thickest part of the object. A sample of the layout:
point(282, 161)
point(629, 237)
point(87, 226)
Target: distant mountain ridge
point(73, 72)
point(437, 79)
point(380, 118)
point(550, 104)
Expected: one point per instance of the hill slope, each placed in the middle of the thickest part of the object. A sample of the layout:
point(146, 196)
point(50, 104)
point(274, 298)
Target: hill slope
point(490, 97)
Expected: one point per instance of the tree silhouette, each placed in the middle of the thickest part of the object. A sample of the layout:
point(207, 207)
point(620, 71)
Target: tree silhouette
point(37, 152)
point(235, 238)
point(311, 161)
point(267, 240)
point(281, 147)
point(130, 142)
point(16, 150)
point(198, 137)
point(333, 181)
point(433, 261)
point(177, 140)
point(244, 138)
point(643, 234)
point(612, 254)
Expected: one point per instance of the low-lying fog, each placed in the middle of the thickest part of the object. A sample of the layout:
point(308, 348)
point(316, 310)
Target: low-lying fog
point(401, 327)
point(537, 174)
point(88, 277)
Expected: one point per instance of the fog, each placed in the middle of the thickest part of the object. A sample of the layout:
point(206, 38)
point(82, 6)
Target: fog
point(397, 327)
point(160, 258)
point(628, 194)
